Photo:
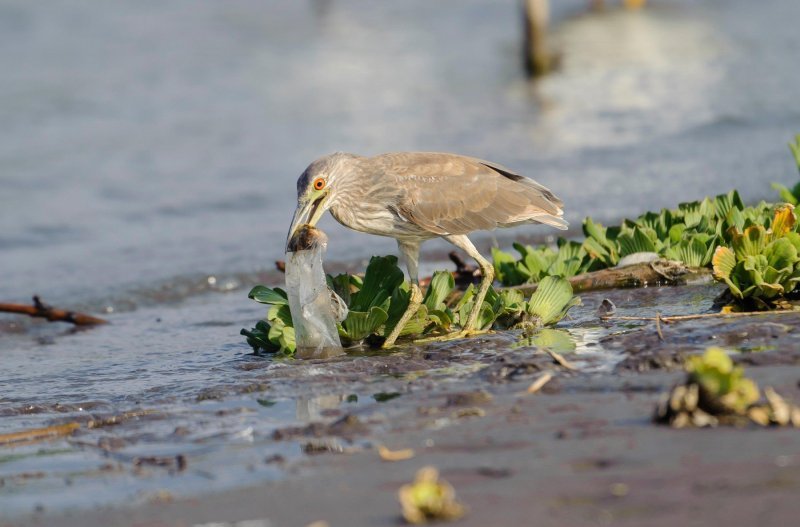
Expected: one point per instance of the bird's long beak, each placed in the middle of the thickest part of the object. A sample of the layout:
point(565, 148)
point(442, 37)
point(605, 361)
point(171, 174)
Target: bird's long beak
point(307, 213)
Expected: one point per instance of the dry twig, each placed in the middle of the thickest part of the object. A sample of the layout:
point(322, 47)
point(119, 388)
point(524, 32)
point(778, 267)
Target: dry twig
point(678, 318)
point(560, 360)
point(658, 327)
point(41, 310)
point(395, 455)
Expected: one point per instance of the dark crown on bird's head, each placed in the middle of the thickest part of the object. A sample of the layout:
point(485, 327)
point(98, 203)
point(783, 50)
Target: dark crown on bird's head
point(325, 167)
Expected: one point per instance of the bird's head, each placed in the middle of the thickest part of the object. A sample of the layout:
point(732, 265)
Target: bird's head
point(317, 190)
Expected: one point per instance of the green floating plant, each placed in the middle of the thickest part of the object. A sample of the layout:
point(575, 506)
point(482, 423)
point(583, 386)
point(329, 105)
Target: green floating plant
point(569, 259)
point(275, 334)
point(689, 233)
point(377, 301)
point(761, 263)
point(791, 196)
point(368, 300)
point(721, 383)
point(551, 301)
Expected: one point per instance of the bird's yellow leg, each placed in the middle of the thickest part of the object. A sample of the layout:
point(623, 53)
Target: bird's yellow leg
point(409, 249)
point(487, 272)
point(469, 329)
point(413, 306)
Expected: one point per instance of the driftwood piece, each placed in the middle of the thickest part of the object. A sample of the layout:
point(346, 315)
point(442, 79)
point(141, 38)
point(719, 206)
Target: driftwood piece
point(41, 310)
point(656, 273)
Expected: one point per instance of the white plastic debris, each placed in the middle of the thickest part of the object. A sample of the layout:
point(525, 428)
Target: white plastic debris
point(315, 308)
point(638, 258)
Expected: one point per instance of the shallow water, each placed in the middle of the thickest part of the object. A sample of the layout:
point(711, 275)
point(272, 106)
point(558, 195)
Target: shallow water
point(147, 141)
point(149, 155)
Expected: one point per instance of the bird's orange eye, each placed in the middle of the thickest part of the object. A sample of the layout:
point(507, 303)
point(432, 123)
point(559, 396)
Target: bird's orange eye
point(319, 183)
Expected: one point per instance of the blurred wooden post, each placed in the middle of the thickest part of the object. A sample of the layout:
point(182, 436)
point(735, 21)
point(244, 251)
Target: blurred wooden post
point(630, 4)
point(634, 4)
point(538, 59)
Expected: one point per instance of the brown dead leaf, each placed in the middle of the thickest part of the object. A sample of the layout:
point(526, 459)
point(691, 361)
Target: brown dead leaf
point(395, 455)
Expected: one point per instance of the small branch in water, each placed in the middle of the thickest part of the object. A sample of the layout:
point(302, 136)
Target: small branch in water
point(560, 360)
point(658, 327)
point(38, 434)
point(41, 310)
point(49, 432)
point(678, 318)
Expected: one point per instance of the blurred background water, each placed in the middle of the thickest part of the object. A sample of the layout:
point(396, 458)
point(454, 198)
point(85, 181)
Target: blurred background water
point(142, 141)
point(149, 152)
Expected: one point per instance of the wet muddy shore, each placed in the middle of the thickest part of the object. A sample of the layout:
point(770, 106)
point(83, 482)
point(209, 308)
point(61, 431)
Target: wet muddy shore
point(291, 442)
point(585, 455)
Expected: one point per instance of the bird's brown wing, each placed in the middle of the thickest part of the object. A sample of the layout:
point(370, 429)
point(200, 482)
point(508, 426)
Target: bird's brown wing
point(452, 194)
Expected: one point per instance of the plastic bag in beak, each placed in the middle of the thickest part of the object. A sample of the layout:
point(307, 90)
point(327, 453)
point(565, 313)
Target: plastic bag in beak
point(310, 301)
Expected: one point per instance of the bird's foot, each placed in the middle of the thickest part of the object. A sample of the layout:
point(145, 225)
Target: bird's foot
point(463, 334)
point(389, 344)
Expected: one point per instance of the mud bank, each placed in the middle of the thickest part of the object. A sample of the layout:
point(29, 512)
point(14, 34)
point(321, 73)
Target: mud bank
point(288, 443)
point(582, 452)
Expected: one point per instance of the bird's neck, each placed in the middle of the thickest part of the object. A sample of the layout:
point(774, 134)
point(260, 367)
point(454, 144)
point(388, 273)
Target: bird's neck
point(355, 216)
point(363, 214)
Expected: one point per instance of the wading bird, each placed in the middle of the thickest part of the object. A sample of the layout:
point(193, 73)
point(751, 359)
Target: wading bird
point(417, 196)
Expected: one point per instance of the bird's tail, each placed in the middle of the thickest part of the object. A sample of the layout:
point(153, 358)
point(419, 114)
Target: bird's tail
point(554, 221)
point(543, 207)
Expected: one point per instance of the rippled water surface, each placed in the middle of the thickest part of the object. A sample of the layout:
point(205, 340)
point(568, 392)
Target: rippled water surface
point(149, 152)
point(150, 140)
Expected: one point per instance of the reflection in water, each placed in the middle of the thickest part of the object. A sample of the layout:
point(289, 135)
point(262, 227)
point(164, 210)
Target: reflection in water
point(580, 342)
point(628, 76)
point(312, 408)
point(592, 357)
point(557, 340)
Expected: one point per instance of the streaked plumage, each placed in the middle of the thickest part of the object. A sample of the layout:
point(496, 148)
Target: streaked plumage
point(416, 196)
